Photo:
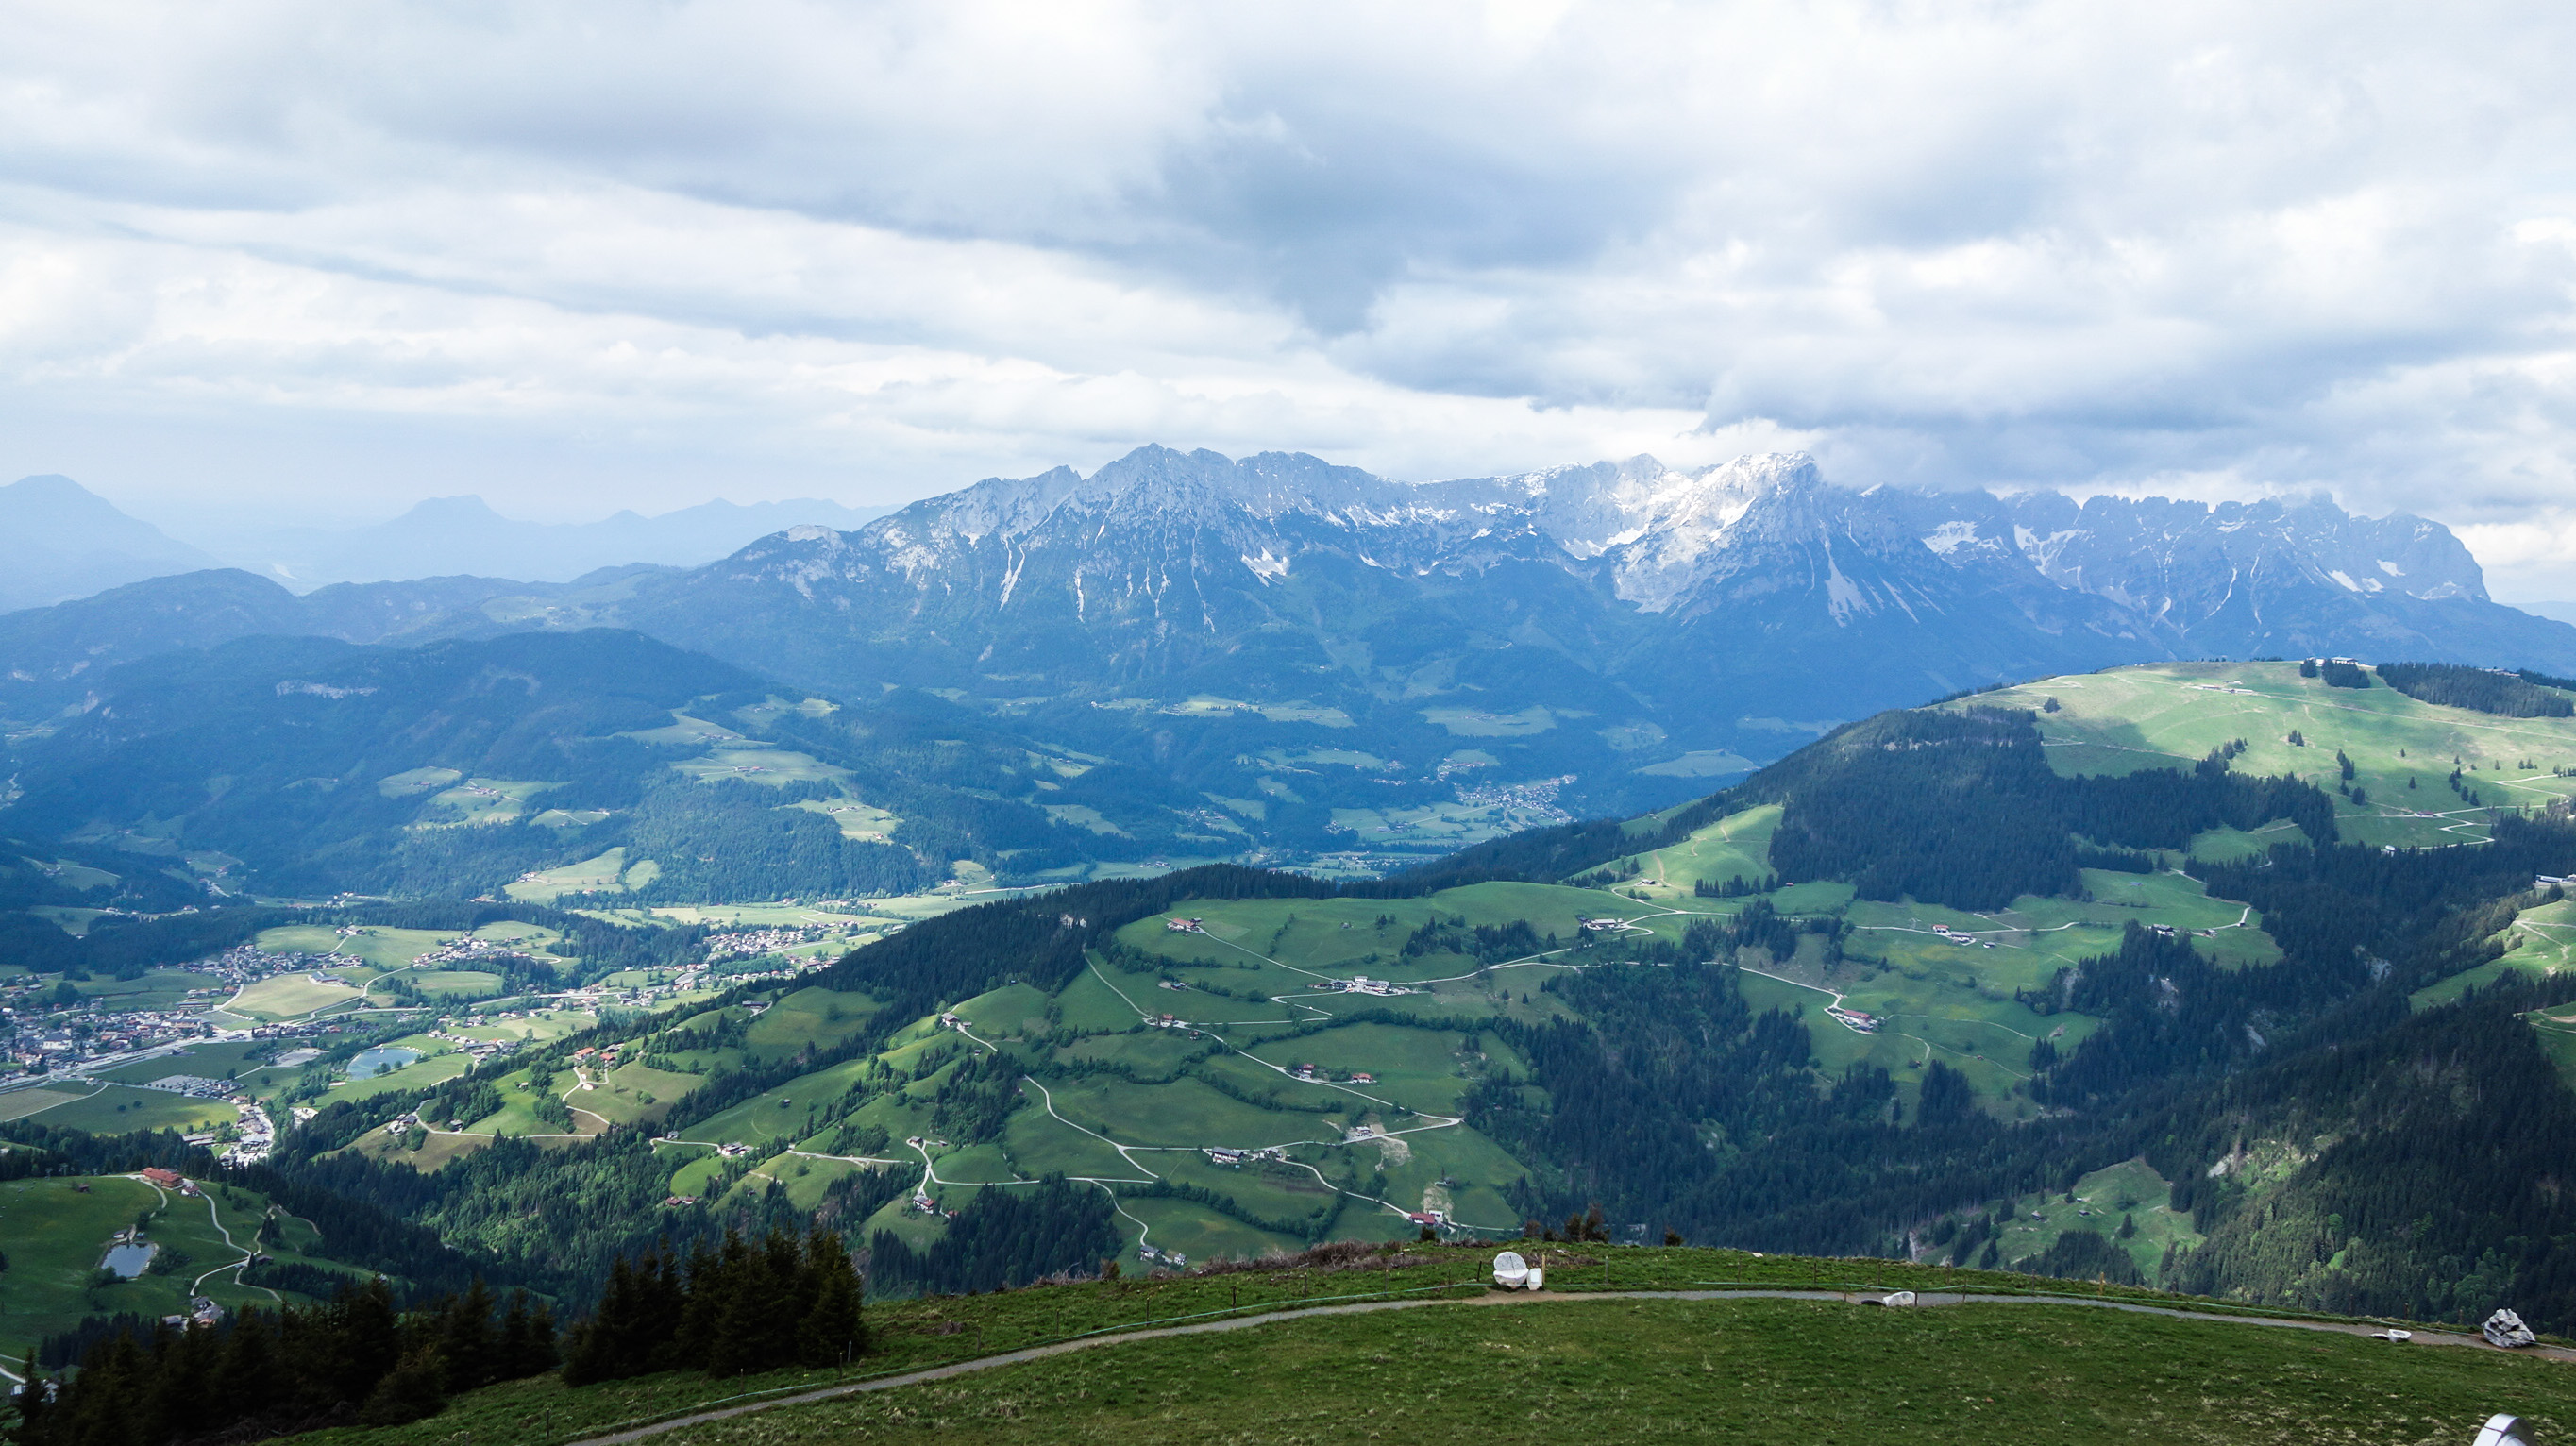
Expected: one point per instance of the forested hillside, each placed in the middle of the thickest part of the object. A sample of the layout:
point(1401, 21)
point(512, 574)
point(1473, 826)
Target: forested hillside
point(2137, 976)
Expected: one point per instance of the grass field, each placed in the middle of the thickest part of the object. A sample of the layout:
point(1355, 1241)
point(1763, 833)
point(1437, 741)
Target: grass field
point(2165, 715)
point(380, 947)
point(57, 1236)
point(2102, 1199)
point(2541, 942)
point(20, 1103)
point(156, 989)
point(595, 874)
point(480, 800)
point(289, 996)
point(2557, 1031)
point(118, 1109)
point(214, 1059)
point(1751, 1371)
point(776, 767)
point(455, 983)
point(1562, 1367)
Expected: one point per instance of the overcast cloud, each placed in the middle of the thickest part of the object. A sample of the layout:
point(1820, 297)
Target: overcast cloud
point(335, 257)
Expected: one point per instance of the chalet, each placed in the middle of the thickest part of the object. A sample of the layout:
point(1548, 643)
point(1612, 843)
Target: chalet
point(1362, 1077)
point(1852, 1019)
point(1219, 1155)
point(166, 1179)
point(1185, 926)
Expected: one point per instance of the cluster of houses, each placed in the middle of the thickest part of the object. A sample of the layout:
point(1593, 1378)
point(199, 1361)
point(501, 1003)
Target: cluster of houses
point(1362, 984)
point(1156, 1255)
point(746, 943)
point(1321, 1074)
point(195, 1086)
point(1535, 801)
point(258, 1134)
point(1219, 1155)
point(477, 1050)
point(1859, 1022)
point(1185, 926)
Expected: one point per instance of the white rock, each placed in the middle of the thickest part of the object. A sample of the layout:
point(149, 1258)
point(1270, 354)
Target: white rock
point(2506, 1329)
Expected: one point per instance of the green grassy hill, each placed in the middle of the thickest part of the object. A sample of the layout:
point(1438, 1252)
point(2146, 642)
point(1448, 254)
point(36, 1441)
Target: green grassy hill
point(58, 1231)
point(1579, 1361)
point(1146, 1071)
point(2403, 751)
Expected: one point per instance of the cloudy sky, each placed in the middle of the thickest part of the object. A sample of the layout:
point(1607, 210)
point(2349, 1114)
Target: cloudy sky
point(329, 258)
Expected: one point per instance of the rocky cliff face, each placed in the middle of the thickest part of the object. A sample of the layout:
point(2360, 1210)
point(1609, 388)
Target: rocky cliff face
point(2247, 579)
point(1697, 603)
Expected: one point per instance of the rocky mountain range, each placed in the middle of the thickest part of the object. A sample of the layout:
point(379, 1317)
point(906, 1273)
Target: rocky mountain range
point(1634, 625)
point(1713, 603)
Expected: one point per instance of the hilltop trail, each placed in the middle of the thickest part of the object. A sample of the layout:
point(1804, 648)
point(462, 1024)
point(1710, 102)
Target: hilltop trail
point(1923, 1299)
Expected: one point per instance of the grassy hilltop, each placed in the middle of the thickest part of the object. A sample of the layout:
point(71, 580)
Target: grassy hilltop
point(1524, 1368)
point(58, 1230)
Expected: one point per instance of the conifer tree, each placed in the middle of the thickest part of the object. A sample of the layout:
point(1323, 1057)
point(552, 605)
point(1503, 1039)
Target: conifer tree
point(832, 1330)
point(466, 1341)
point(411, 1390)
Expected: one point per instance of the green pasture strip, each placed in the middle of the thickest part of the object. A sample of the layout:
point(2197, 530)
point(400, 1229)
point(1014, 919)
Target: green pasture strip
point(1754, 1370)
point(914, 1334)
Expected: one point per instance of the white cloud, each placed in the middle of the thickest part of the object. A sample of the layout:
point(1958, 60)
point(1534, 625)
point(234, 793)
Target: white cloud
point(586, 255)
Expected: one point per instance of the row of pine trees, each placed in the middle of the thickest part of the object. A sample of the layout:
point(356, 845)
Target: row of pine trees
point(742, 1308)
point(270, 1372)
point(359, 1359)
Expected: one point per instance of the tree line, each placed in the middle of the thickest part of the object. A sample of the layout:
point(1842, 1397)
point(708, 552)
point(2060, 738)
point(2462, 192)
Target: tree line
point(2483, 690)
point(263, 1373)
point(728, 1310)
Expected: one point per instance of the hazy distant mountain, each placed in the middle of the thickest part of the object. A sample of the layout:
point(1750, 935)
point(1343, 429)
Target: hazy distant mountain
point(60, 540)
point(446, 536)
point(50, 657)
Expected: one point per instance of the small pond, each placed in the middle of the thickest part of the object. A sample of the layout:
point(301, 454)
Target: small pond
point(129, 1260)
point(382, 1059)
